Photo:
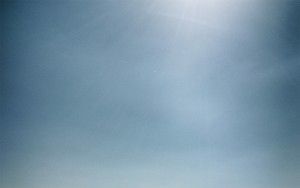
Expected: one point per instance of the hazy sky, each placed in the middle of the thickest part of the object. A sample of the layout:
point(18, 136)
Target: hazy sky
point(150, 94)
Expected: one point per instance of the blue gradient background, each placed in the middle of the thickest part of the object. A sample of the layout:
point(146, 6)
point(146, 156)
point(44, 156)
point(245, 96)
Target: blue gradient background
point(150, 94)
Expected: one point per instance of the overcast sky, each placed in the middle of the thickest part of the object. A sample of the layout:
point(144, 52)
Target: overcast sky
point(150, 94)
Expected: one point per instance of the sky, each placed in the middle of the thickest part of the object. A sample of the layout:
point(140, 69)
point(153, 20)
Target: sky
point(150, 94)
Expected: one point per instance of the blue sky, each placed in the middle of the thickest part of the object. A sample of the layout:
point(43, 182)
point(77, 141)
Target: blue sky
point(149, 93)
